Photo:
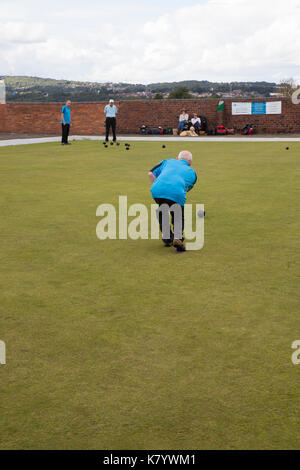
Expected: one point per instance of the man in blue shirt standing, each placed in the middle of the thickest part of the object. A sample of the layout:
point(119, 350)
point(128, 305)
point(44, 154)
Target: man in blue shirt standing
point(171, 179)
point(110, 112)
point(65, 122)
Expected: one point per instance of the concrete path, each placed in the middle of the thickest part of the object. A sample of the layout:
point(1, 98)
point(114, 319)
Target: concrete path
point(40, 140)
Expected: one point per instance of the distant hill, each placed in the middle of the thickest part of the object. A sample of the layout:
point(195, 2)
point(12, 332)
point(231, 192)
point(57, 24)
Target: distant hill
point(25, 89)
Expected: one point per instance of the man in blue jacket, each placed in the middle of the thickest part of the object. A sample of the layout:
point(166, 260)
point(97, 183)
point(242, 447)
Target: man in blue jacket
point(65, 122)
point(171, 179)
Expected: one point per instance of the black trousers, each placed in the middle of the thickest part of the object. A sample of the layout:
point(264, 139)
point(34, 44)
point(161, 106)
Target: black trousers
point(111, 122)
point(177, 217)
point(65, 128)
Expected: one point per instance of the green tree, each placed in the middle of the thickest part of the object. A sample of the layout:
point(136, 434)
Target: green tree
point(158, 96)
point(182, 93)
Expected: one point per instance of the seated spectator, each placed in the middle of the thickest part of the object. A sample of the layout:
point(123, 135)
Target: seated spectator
point(183, 119)
point(196, 121)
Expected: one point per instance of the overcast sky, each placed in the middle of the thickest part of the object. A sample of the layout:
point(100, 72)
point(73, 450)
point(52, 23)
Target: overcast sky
point(151, 41)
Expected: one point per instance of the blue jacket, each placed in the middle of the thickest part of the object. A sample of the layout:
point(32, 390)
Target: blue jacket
point(67, 114)
point(173, 179)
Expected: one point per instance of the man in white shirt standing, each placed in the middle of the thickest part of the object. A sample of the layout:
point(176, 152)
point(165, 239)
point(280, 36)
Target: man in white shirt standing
point(110, 112)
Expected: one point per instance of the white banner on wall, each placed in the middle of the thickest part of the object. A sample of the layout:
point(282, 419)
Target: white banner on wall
point(260, 107)
point(274, 107)
point(241, 108)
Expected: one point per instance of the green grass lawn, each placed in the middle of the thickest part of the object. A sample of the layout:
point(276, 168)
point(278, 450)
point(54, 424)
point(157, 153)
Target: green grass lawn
point(122, 344)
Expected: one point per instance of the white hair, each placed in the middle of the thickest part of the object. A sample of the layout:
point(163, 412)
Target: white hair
point(185, 155)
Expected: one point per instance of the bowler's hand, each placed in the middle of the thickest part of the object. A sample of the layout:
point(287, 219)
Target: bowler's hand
point(151, 177)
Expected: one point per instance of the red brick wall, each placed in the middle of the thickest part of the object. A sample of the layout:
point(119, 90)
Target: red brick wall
point(88, 118)
point(164, 113)
point(286, 122)
point(44, 118)
point(2, 117)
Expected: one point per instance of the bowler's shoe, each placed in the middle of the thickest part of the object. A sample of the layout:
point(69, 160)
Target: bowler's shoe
point(178, 244)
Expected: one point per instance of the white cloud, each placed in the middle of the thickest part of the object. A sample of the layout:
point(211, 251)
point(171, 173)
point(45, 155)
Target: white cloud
point(231, 40)
point(216, 40)
point(20, 32)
